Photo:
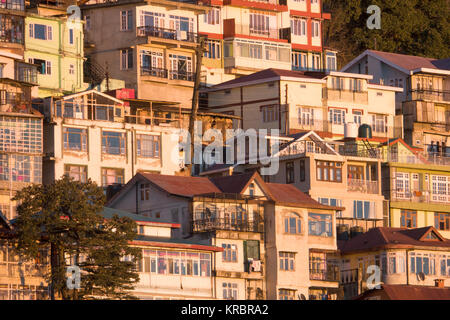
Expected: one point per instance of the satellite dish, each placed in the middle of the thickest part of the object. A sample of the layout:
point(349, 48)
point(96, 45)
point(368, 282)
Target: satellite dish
point(301, 297)
point(421, 276)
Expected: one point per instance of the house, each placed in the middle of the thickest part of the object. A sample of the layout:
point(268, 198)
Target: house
point(94, 135)
point(424, 99)
point(54, 42)
point(408, 257)
point(334, 104)
point(150, 45)
point(231, 212)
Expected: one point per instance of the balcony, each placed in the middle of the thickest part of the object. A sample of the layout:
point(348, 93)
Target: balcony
point(232, 29)
point(181, 75)
point(11, 29)
point(168, 34)
point(420, 196)
point(17, 5)
point(208, 225)
point(430, 94)
point(340, 95)
point(331, 274)
point(364, 186)
point(154, 72)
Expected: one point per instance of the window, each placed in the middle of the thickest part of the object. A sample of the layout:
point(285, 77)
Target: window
point(315, 29)
point(71, 69)
point(442, 221)
point(357, 117)
point(20, 134)
point(402, 185)
point(320, 225)
point(213, 51)
point(355, 172)
point(355, 85)
point(181, 67)
point(293, 224)
point(251, 189)
point(331, 62)
point(298, 27)
point(316, 62)
point(71, 36)
point(147, 146)
point(126, 59)
point(87, 25)
point(229, 291)
point(251, 249)
point(112, 176)
point(270, 113)
point(285, 294)
point(290, 177)
point(126, 20)
point(408, 219)
point(212, 17)
point(145, 191)
point(75, 139)
point(440, 188)
point(78, 173)
point(299, 60)
point(379, 123)
point(305, 116)
point(259, 24)
point(45, 67)
point(113, 142)
point(40, 31)
point(329, 171)
point(287, 261)
point(337, 116)
point(363, 209)
point(152, 62)
point(229, 253)
point(423, 262)
point(302, 170)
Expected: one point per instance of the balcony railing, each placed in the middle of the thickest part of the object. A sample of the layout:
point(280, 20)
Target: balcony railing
point(430, 94)
point(349, 276)
point(419, 196)
point(181, 75)
point(207, 225)
point(365, 186)
point(18, 5)
point(154, 72)
point(171, 34)
point(346, 95)
point(324, 275)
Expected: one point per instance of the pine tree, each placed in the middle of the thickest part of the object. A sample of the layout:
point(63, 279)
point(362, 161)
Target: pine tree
point(65, 217)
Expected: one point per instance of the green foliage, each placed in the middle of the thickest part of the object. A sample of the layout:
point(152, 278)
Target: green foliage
point(414, 27)
point(65, 217)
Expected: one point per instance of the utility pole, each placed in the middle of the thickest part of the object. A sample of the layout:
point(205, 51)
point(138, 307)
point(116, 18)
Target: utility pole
point(199, 50)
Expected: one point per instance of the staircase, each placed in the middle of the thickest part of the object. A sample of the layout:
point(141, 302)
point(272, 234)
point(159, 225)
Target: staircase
point(371, 151)
point(94, 73)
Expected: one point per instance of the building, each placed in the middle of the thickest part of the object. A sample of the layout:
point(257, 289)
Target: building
point(231, 212)
point(424, 100)
point(21, 130)
point(409, 257)
point(417, 187)
point(333, 104)
point(170, 268)
point(54, 42)
point(155, 50)
point(93, 135)
point(12, 26)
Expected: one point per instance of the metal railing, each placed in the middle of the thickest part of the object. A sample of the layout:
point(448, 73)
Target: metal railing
point(419, 196)
point(154, 72)
point(346, 95)
point(430, 94)
point(362, 186)
point(181, 75)
point(349, 276)
point(227, 224)
point(324, 275)
point(171, 34)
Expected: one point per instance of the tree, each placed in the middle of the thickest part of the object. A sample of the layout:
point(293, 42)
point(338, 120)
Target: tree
point(414, 27)
point(65, 216)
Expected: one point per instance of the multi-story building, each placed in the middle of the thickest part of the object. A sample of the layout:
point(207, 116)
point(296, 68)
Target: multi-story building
point(230, 212)
point(150, 45)
point(20, 130)
point(416, 257)
point(424, 100)
point(54, 42)
point(93, 135)
point(334, 104)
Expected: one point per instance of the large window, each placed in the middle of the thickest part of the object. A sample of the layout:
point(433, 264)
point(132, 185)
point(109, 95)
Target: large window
point(126, 59)
point(320, 225)
point(75, 139)
point(126, 20)
point(11, 28)
point(286, 294)
point(18, 168)
point(440, 188)
point(270, 113)
point(229, 253)
point(41, 31)
point(363, 209)
point(78, 173)
point(402, 185)
point(20, 134)
point(298, 27)
point(299, 60)
point(287, 261)
point(113, 142)
point(423, 262)
point(355, 172)
point(337, 116)
point(305, 116)
point(329, 171)
point(379, 123)
point(293, 224)
point(147, 146)
point(213, 49)
point(229, 291)
point(112, 176)
point(212, 17)
point(44, 67)
point(181, 67)
point(408, 219)
point(259, 24)
point(164, 262)
point(442, 221)
point(290, 176)
point(315, 25)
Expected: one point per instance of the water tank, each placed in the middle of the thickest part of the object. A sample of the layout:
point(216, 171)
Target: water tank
point(365, 131)
point(350, 130)
point(342, 232)
point(354, 231)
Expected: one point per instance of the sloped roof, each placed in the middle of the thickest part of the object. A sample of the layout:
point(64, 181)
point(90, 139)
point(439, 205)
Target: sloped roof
point(269, 74)
point(234, 183)
point(398, 237)
point(410, 292)
point(182, 185)
point(407, 62)
point(290, 195)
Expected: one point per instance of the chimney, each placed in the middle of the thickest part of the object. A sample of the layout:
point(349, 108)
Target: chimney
point(439, 283)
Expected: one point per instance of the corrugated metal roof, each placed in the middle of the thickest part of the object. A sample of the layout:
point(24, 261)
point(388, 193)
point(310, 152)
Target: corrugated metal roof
point(409, 62)
point(409, 292)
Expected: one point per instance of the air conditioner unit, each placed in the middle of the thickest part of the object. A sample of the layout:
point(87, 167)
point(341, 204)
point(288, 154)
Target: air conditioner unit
point(181, 35)
point(78, 115)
